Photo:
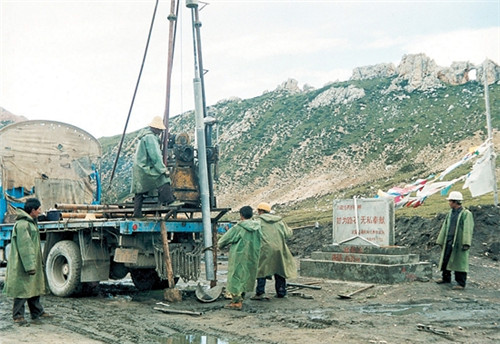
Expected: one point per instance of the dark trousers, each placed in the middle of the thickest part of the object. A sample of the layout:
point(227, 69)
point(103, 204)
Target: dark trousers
point(34, 305)
point(165, 196)
point(460, 276)
point(279, 284)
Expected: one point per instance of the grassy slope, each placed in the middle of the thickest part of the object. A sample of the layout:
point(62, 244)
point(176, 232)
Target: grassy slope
point(278, 134)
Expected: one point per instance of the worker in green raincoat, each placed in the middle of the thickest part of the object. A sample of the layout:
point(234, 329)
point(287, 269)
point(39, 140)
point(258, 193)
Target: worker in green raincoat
point(25, 279)
point(244, 239)
point(455, 239)
point(275, 257)
point(150, 176)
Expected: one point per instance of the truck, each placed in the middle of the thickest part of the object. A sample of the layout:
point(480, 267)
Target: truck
point(85, 241)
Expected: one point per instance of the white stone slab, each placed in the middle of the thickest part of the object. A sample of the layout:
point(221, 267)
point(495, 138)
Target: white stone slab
point(371, 223)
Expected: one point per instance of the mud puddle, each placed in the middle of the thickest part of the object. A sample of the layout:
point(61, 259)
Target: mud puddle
point(400, 309)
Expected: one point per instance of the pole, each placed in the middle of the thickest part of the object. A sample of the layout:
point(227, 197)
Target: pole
point(174, 9)
point(490, 134)
point(166, 255)
point(202, 153)
point(208, 128)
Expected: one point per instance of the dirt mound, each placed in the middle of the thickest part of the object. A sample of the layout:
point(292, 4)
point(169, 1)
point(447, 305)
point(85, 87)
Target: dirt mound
point(417, 233)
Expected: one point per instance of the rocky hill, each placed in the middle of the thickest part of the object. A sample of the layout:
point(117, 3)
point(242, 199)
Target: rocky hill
point(385, 125)
point(408, 121)
point(7, 118)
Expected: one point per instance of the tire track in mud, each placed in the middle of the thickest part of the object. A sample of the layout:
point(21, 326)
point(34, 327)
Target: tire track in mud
point(109, 321)
point(121, 314)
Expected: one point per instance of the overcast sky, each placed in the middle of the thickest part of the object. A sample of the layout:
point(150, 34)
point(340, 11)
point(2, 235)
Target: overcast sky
point(78, 61)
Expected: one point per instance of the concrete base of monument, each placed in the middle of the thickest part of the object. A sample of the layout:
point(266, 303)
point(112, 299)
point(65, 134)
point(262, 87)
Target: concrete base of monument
point(370, 264)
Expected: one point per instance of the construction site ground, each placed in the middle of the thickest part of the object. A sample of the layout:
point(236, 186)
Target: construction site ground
point(415, 312)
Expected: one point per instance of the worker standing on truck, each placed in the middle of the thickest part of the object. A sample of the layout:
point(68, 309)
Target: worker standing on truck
point(149, 174)
point(25, 280)
point(244, 239)
point(275, 257)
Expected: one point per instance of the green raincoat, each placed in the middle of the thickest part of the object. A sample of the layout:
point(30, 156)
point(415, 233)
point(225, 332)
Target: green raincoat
point(25, 255)
point(459, 259)
point(148, 171)
point(275, 257)
point(244, 239)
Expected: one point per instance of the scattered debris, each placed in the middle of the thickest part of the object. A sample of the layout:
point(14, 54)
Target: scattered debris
point(298, 286)
point(177, 311)
point(348, 296)
point(429, 328)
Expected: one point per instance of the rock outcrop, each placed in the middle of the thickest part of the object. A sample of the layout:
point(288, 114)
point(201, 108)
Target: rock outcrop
point(290, 86)
point(492, 72)
point(7, 118)
point(456, 74)
point(419, 72)
point(337, 95)
point(381, 70)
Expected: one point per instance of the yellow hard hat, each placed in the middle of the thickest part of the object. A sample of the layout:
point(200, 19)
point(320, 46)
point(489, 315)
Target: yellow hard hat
point(264, 206)
point(157, 123)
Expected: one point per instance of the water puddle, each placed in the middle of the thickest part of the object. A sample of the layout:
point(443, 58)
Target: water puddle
point(194, 339)
point(397, 309)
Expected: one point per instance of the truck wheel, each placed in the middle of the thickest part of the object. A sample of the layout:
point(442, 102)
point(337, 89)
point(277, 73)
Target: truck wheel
point(63, 268)
point(117, 271)
point(144, 279)
point(163, 284)
point(148, 279)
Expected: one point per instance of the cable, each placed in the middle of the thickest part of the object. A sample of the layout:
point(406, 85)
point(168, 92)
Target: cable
point(133, 98)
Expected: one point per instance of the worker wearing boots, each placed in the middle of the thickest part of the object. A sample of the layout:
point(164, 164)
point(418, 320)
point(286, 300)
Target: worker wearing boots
point(149, 174)
point(25, 280)
point(275, 257)
point(244, 239)
point(455, 239)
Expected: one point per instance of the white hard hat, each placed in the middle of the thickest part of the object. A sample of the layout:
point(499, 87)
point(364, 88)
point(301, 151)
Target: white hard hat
point(455, 196)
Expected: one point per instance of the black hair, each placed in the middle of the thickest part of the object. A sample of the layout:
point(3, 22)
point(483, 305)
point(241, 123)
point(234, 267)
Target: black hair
point(156, 131)
point(31, 204)
point(246, 212)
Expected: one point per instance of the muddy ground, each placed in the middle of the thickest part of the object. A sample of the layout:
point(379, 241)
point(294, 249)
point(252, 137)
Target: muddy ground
point(416, 312)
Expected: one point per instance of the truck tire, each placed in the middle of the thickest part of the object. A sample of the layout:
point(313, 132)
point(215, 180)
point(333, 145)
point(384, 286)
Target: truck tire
point(163, 284)
point(148, 279)
point(63, 268)
point(144, 279)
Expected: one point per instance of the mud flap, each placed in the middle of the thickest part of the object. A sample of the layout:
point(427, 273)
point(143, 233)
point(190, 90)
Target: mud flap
point(95, 259)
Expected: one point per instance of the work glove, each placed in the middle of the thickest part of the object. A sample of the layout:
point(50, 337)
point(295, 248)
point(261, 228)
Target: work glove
point(31, 272)
point(465, 247)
